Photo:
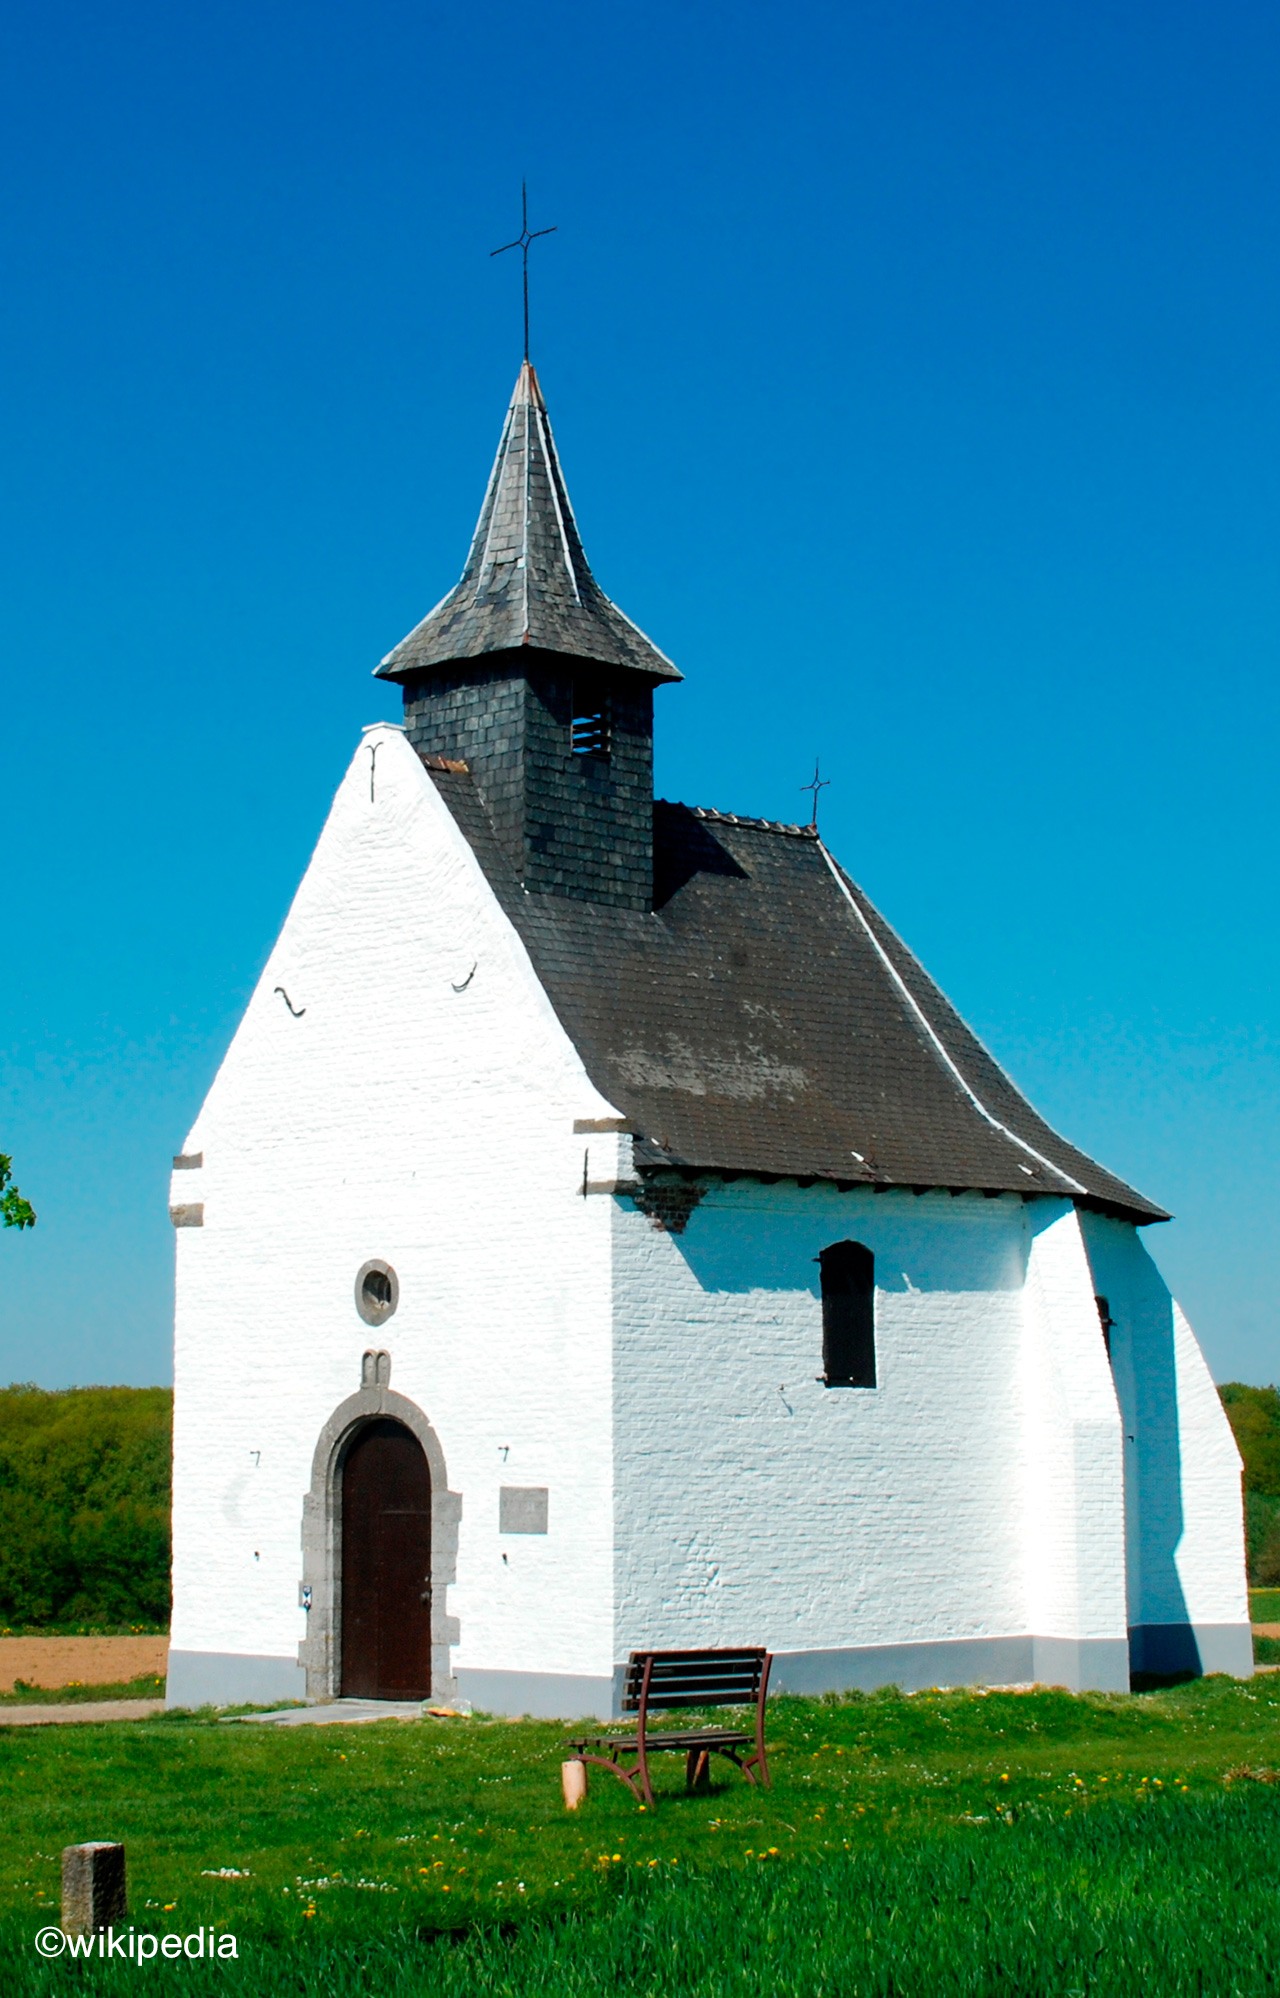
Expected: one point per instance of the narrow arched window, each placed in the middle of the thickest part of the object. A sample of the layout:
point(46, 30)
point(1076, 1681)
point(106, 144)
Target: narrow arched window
point(848, 1315)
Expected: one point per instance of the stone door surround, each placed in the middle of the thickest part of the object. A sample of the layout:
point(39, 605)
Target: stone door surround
point(321, 1587)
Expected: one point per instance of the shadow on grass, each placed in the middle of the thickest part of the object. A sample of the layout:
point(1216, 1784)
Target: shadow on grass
point(1160, 1682)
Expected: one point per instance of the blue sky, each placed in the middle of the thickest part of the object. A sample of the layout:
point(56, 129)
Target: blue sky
point(914, 371)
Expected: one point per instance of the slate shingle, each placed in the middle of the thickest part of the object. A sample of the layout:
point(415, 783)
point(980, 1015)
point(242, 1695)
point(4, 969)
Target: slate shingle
point(527, 580)
point(761, 1020)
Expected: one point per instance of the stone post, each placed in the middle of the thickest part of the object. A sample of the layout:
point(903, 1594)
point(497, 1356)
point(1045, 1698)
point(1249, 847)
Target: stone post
point(93, 1887)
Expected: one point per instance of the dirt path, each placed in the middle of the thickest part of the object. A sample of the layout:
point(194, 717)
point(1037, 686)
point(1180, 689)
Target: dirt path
point(84, 1661)
point(83, 1710)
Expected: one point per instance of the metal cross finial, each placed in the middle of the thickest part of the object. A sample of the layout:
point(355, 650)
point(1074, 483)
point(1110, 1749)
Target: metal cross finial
point(818, 784)
point(522, 242)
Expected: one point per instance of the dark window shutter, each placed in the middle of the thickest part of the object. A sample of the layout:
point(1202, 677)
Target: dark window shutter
point(848, 1315)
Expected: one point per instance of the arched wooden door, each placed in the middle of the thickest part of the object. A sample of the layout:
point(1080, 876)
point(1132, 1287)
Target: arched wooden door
point(386, 1565)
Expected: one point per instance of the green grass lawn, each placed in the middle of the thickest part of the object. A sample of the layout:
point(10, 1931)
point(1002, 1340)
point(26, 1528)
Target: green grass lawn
point(148, 1687)
point(1264, 1605)
point(947, 1843)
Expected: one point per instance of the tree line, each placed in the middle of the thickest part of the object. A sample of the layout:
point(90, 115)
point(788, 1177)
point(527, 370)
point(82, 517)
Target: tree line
point(1254, 1415)
point(85, 1480)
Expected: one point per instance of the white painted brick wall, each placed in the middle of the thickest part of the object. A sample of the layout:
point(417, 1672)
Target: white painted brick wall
point(1182, 1468)
point(1074, 1489)
point(397, 1118)
point(755, 1505)
point(1210, 1552)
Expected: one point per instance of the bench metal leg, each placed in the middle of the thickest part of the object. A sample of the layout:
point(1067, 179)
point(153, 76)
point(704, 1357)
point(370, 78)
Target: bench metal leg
point(639, 1789)
point(697, 1769)
point(761, 1765)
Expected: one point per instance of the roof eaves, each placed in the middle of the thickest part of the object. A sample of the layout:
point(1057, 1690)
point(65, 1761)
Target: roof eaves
point(649, 1163)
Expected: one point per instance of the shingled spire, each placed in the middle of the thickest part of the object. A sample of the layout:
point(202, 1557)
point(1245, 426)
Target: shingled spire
point(532, 678)
point(527, 580)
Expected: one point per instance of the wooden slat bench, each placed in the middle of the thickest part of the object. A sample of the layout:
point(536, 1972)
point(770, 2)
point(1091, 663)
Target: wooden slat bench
point(663, 1679)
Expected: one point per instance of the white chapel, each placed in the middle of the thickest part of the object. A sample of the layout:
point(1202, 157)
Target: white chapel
point(602, 1234)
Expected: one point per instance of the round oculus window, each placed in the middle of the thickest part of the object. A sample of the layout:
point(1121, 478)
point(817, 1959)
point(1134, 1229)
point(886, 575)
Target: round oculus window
point(377, 1292)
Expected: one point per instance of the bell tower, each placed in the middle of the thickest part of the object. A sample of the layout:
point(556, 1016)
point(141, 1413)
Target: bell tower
point(528, 674)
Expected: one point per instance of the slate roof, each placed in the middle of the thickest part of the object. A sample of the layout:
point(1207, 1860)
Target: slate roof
point(527, 580)
point(765, 1019)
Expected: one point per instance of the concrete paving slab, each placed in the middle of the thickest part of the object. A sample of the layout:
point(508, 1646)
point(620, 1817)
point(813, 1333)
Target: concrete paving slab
point(329, 1713)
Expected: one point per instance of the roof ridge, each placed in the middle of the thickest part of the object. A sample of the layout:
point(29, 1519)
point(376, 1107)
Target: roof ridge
point(1042, 1159)
point(714, 817)
point(941, 1032)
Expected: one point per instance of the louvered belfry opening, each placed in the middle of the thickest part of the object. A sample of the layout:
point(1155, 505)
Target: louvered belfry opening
point(528, 674)
point(590, 728)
